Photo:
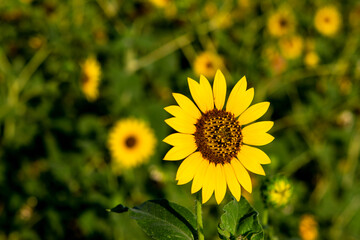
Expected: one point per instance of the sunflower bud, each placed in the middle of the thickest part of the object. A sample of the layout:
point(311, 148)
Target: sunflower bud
point(276, 191)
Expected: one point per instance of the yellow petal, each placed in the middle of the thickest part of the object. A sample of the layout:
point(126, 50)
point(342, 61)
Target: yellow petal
point(219, 89)
point(242, 175)
point(199, 176)
point(257, 139)
point(220, 187)
point(181, 126)
point(187, 105)
point(255, 134)
point(238, 90)
point(249, 163)
point(209, 183)
point(179, 139)
point(253, 113)
point(241, 102)
point(205, 87)
point(188, 168)
point(178, 112)
point(256, 153)
point(262, 126)
point(197, 94)
point(232, 181)
point(179, 152)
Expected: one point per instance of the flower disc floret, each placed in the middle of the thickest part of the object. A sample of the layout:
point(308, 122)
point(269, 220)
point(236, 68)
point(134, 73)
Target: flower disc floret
point(218, 136)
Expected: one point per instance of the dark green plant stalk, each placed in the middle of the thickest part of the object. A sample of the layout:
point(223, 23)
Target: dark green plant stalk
point(199, 221)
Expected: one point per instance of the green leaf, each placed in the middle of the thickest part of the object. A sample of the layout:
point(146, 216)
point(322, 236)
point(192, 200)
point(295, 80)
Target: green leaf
point(161, 219)
point(240, 221)
point(119, 209)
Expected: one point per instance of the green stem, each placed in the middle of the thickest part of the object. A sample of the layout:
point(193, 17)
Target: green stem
point(199, 220)
point(265, 217)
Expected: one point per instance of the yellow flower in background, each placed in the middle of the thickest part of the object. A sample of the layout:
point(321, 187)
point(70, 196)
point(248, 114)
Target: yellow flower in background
point(281, 23)
point(36, 42)
point(217, 142)
point(291, 47)
point(90, 79)
point(244, 4)
point(277, 63)
point(354, 17)
point(242, 10)
point(160, 3)
point(131, 142)
point(345, 85)
point(308, 227)
point(210, 9)
point(311, 59)
point(327, 20)
point(207, 63)
point(168, 6)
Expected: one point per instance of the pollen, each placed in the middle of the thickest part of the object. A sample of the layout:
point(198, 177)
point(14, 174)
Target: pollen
point(218, 136)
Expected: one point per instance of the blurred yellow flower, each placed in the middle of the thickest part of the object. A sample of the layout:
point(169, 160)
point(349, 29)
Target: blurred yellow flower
point(281, 23)
point(36, 42)
point(26, 212)
point(276, 61)
point(207, 63)
point(217, 143)
point(90, 78)
point(291, 47)
point(100, 36)
point(160, 3)
point(345, 119)
point(244, 4)
point(131, 142)
point(168, 6)
point(354, 17)
point(345, 85)
point(308, 227)
point(210, 9)
point(327, 20)
point(311, 59)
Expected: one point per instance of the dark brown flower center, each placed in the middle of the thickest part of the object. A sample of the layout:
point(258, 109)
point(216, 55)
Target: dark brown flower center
point(84, 79)
point(209, 64)
point(130, 141)
point(327, 19)
point(218, 136)
point(283, 22)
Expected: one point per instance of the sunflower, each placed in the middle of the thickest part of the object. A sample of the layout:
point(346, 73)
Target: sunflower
point(206, 64)
point(291, 47)
point(131, 142)
point(308, 227)
point(281, 23)
point(214, 140)
point(311, 59)
point(354, 17)
point(160, 3)
point(327, 20)
point(277, 63)
point(90, 79)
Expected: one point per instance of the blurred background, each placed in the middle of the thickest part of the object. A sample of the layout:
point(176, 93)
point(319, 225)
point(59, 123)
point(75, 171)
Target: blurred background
point(69, 70)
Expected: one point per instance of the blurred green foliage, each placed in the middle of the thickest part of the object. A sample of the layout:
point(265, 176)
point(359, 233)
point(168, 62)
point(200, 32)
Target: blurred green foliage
point(55, 176)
